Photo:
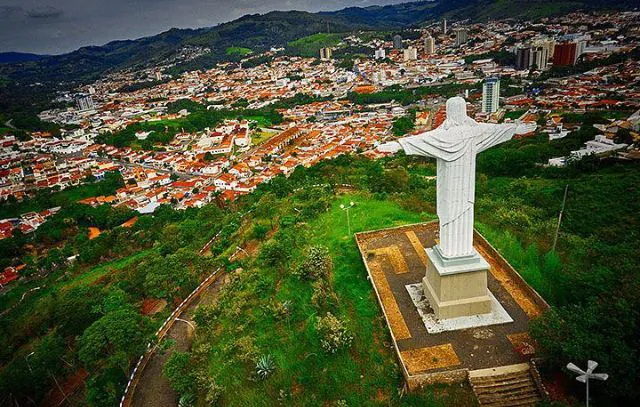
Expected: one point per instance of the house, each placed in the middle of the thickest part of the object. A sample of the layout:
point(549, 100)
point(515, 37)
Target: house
point(225, 182)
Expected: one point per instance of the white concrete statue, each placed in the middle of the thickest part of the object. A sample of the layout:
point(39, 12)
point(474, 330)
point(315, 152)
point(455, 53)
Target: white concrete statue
point(455, 144)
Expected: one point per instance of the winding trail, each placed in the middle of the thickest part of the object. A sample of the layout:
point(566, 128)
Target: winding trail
point(152, 388)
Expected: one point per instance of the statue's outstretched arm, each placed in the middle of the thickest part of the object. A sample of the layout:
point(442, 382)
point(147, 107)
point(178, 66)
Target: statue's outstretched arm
point(427, 144)
point(494, 134)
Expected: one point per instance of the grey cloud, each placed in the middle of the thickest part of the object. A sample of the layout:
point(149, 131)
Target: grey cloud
point(10, 11)
point(44, 12)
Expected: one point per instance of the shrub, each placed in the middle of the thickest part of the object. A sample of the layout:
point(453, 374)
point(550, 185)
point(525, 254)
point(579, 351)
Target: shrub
point(208, 385)
point(323, 295)
point(177, 370)
point(265, 366)
point(334, 335)
point(317, 264)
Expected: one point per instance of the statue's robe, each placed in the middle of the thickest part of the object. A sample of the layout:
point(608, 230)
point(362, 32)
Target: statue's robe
point(455, 146)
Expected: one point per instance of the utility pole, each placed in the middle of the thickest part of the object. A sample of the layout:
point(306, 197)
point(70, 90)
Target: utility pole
point(564, 201)
point(346, 209)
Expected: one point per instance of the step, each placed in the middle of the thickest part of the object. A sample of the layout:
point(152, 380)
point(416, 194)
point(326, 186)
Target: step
point(531, 401)
point(488, 384)
point(505, 386)
point(523, 393)
point(513, 392)
point(499, 376)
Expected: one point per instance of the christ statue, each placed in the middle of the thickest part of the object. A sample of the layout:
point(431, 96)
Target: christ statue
point(455, 144)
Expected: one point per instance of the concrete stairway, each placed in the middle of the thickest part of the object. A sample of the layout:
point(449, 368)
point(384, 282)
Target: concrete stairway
point(505, 386)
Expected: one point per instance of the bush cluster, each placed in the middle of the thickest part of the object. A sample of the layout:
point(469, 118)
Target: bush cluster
point(334, 334)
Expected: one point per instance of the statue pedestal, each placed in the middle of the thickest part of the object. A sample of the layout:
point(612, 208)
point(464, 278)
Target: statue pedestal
point(456, 287)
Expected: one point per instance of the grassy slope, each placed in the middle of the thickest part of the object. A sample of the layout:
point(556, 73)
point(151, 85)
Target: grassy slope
point(310, 45)
point(366, 374)
point(238, 51)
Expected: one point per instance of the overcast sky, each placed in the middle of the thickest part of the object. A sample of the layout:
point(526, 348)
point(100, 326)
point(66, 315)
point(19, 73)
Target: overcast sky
point(59, 26)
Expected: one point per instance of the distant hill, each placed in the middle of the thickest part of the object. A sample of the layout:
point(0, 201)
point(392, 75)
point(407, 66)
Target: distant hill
point(15, 57)
point(260, 32)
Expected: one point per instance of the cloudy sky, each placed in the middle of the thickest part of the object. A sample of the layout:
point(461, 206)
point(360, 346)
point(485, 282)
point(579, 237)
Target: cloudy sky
point(58, 26)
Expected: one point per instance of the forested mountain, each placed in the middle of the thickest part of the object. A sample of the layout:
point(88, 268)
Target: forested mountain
point(260, 32)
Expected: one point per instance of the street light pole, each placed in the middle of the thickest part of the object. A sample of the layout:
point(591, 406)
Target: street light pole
point(584, 377)
point(346, 208)
point(564, 201)
point(27, 360)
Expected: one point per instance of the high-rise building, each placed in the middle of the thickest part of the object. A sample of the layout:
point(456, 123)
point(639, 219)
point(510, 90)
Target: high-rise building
point(380, 53)
point(523, 58)
point(543, 51)
point(565, 54)
point(539, 58)
point(581, 45)
point(397, 41)
point(84, 103)
point(462, 36)
point(429, 45)
point(326, 54)
point(490, 95)
point(444, 26)
point(410, 54)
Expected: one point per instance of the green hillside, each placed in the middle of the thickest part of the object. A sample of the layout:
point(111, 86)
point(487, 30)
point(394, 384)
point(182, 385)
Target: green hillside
point(83, 309)
point(310, 45)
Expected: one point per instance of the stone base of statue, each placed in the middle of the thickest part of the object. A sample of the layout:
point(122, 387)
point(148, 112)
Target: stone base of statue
point(456, 287)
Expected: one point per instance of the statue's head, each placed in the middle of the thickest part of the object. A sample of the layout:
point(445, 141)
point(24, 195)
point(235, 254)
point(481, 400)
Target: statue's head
point(456, 109)
point(457, 113)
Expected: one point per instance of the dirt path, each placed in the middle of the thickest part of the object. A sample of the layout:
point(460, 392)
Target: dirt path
point(153, 388)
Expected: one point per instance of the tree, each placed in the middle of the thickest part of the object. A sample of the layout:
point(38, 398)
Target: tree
point(274, 253)
point(166, 277)
point(623, 136)
point(116, 338)
point(267, 207)
point(178, 370)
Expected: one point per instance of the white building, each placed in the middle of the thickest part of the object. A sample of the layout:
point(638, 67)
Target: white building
point(429, 45)
point(85, 103)
point(462, 36)
point(326, 53)
point(410, 54)
point(380, 53)
point(599, 145)
point(491, 95)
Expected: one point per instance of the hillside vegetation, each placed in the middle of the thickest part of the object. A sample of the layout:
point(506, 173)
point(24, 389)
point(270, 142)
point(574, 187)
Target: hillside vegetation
point(271, 339)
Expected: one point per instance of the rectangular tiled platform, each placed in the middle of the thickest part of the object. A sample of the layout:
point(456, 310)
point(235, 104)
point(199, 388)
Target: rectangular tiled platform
point(395, 258)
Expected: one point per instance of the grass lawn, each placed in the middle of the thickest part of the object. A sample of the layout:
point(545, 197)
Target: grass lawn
point(262, 120)
point(259, 137)
point(98, 272)
point(310, 45)
point(4, 130)
point(238, 51)
point(365, 374)
point(514, 114)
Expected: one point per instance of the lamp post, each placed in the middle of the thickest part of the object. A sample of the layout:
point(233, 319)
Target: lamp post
point(346, 208)
point(27, 360)
point(585, 376)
